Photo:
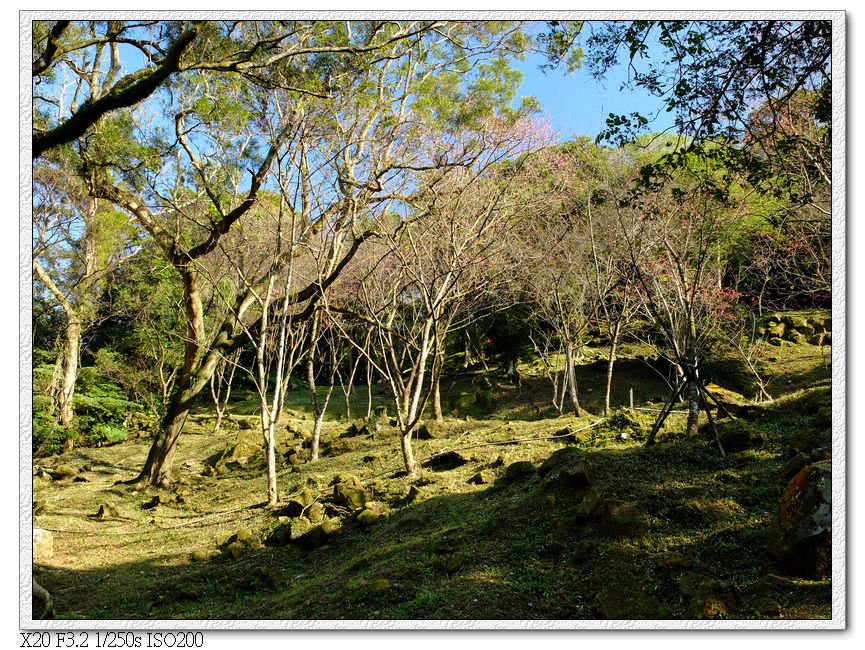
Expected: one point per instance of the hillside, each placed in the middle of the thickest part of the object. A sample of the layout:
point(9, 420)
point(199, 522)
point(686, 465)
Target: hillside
point(518, 514)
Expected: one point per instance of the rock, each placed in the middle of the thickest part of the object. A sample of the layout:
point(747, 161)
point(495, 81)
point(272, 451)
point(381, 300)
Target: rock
point(808, 439)
point(794, 465)
point(801, 535)
point(315, 512)
point(288, 532)
point(380, 586)
point(372, 513)
point(708, 511)
point(245, 536)
point(519, 470)
point(200, 555)
point(776, 341)
point(414, 492)
point(739, 435)
point(43, 545)
point(445, 461)
point(827, 338)
point(319, 535)
point(767, 608)
point(107, 511)
point(62, 471)
point(557, 459)
point(299, 503)
point(590, 503)
point(797, 338)
point(776, 331)
point(816, 339)
point(710, 598)
point(431, 430)
point(622, 518)
point(575, 475)
point(236, 549)
point(350, 493)
point(481, 478)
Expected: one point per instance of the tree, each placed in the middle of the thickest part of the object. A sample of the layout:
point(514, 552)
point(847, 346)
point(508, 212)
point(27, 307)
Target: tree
point(448, 250)
point(344, 88)
point(77, 243)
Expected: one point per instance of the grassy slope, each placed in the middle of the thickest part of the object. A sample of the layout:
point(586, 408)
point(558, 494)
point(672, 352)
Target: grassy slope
point(501, 550)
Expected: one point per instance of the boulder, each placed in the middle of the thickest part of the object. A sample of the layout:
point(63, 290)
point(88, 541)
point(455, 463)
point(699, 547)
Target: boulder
point(590, 503)
point(288, 531)
point(574, 475)
point(801, 534)
point(518, 470)
point(298, 503)
point(349, 492)
point(431, 430)
point(61, 472)
point(445, 461)
point(372, 513)
point(380, 586)
point(776, 331)
point(481, 478)
point(107, 511)
point(43, 545)
point(623, 519)
point(318, 536)
point(709, 598)
point(739, 435)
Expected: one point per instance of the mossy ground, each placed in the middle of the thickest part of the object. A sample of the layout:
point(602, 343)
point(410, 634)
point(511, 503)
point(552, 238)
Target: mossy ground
point(500, 550)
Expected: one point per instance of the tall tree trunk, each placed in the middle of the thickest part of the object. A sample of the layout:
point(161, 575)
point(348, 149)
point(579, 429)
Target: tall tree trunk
point(408, 454)
point(270, 441)
point(71, 352)
point(614, 342)
point(693, 392)
point(572, 379)
point(438, 367)
point(158, 465)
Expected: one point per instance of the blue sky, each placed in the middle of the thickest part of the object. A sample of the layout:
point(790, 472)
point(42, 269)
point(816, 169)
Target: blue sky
point(578, 104)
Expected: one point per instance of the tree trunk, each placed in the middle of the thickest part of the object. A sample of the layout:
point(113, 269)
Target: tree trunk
point(157, 466)
point(693, 408)
point(693, 392)
point(437, 393)
point(408, 454)
point(71, 351)
point(272, 491)
point(614, 341)
point(572, 379)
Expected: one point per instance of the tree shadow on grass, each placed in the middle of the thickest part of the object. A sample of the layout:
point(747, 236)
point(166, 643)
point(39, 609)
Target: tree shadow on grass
point(509, 550)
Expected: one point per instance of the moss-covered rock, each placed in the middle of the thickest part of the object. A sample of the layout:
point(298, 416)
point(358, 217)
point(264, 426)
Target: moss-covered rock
point(350, 493)
point(481, 478)
point(372, 513)
point(519, 470)
point(623, 519)
point(431, 430)
point(709, 598)
point(801, 534)
point(740, 435)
